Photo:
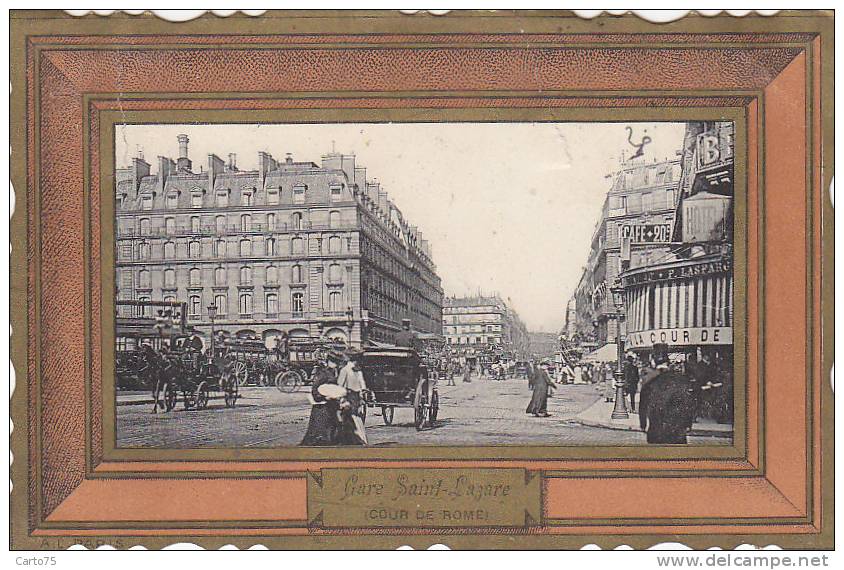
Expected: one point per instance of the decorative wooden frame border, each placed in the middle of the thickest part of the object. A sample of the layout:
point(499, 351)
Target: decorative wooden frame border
point(67, 71)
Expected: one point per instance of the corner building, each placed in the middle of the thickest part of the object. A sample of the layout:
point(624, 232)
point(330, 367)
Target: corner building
point(314, 250)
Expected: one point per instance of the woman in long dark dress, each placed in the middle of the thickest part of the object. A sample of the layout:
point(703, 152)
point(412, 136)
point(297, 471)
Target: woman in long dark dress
point(322, 426)
point(538, 405)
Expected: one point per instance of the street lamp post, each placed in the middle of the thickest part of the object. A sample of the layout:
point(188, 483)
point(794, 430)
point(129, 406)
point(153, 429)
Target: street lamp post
point(212, 314)
point(619, 411)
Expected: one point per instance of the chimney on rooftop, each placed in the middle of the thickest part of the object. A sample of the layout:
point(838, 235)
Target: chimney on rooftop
point(289, 159)
point(232, 161)
point(184, 163)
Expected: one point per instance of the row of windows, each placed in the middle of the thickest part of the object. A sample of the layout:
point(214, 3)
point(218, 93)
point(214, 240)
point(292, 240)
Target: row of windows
point(335, 275)
point(245, 303)
point(471, 328)
point(246, 223)
point(220, 248)
point(643, 202)
point(472, 340)
point(222, 198)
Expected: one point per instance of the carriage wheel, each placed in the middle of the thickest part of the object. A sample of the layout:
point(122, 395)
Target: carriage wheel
point(230, 387)
point(170, 396)
point(388, 412)
point(287, 381)
point(201, 397)
point(435, 407)
point(241, 372)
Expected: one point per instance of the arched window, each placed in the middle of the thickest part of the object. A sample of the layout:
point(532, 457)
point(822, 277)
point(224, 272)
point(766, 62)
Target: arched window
point(334, 302)
point(245, 222)
point(245, 275)
point(169, 250)
point(193, 249)
point(296, 276)
point(220, 276)
point(220, 224)
point(194, 224)
point(272, 303)
point(297, 245)
point(335, 273)
point(270, 222)
point(169, 298)
point(143, 250)
point(169, 277)
point(334, 219)
point(334, 244)
point(195, 276)
point(272, 274)
point(297, 303)
point(245, 304)
point(270, 246)
point(245, 248)
point(296, 221)
point(169, 226)
point(221, 303)
point(144, 279)
point(144, 226)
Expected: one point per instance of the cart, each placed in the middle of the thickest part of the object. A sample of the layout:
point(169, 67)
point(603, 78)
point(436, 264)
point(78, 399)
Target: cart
point(397, 378)
point(200, 376)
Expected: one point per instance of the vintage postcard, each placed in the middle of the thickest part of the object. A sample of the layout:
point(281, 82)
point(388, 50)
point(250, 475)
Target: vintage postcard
point(372, 279)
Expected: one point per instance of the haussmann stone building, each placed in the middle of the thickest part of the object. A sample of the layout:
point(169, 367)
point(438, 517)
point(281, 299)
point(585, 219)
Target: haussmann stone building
point(311, 249)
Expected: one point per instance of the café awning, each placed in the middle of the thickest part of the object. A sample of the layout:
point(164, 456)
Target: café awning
point(607, 353)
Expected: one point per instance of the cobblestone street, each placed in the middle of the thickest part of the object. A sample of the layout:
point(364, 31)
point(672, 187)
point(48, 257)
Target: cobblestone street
point(482, 412)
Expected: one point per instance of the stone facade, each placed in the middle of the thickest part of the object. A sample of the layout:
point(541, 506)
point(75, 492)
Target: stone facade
point(480, 321)
point(634, 228)
point(314, 250)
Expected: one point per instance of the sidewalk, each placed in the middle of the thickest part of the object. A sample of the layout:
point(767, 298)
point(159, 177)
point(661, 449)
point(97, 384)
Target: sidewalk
point(599, 414)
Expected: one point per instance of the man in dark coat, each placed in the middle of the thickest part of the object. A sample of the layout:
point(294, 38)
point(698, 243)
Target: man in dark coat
point(405, 337)
point(666, 406)
point(631, 381)
point(538, 405)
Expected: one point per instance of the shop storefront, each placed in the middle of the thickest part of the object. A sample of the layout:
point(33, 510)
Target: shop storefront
point(686, 303)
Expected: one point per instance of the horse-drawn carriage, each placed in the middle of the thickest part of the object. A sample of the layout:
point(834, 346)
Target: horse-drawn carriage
point(250, 361)
point(304, 353)
point(397, 378)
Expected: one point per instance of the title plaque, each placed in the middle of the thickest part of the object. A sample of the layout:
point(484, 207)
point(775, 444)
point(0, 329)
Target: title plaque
point(438, 498)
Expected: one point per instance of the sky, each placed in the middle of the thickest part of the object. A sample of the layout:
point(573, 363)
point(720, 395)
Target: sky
point(509, 208)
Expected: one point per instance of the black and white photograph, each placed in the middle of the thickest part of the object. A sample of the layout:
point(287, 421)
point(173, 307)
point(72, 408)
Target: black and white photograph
point(424, 284)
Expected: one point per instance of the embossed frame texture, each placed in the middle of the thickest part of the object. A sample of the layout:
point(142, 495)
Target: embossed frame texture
point(71, 76)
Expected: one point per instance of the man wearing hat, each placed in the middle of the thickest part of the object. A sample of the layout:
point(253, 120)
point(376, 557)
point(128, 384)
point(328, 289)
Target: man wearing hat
point(405, 337)
point(666, 403)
